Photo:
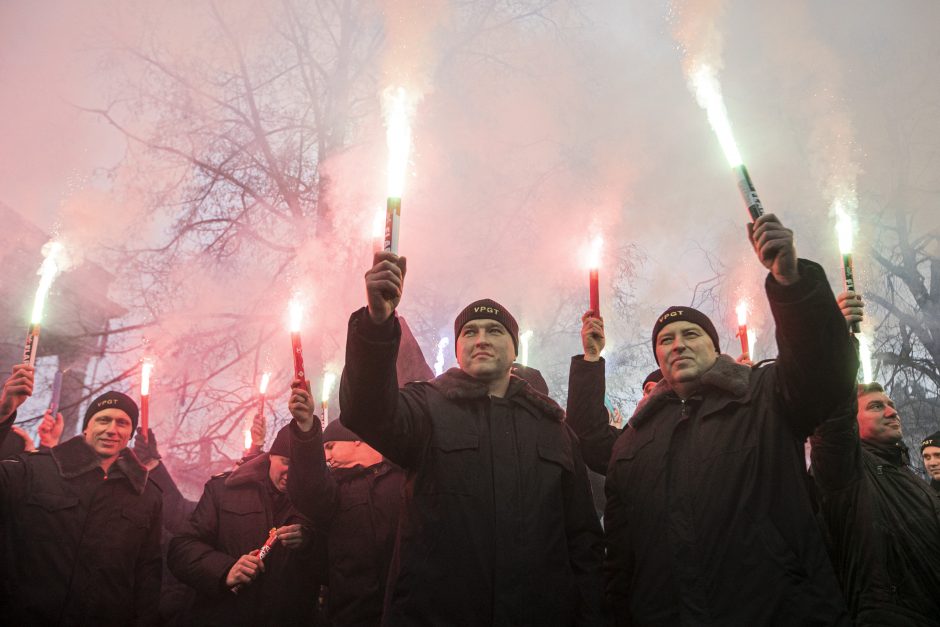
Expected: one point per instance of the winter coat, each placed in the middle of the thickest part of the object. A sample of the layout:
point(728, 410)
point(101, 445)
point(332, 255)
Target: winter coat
point(80, 547)
point(587, 413)
point(883, 523)
point(357, 508)
point(233, 518)
point(497, 523)
point(708, 518)
point(935, 484)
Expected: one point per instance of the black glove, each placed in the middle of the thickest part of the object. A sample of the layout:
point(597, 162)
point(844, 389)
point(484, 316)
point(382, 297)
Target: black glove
point(146, 450)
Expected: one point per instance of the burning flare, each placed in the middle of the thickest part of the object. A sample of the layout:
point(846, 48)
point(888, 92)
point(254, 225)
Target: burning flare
point(146, 369)
point(263, 386)
point(329, 380)
point(296, 312)
point(595, 253)
point(47, 272)
point(398, 109)
point(247, 439)
point(439, 362)
point(524, 338)
point(741, 310)
point(864, 355)
point(704, 81)
point(845, 226)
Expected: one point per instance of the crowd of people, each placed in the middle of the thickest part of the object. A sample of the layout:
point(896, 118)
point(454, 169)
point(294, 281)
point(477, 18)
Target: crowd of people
point(466, 499)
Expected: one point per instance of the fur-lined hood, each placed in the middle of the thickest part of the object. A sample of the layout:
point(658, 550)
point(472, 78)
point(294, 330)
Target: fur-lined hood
point(457, 385)
point(75, 457)
point(727, 375)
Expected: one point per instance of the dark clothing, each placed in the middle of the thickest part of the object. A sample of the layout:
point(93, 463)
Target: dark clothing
point(884, 526)
point(497, 523)
point(935, 484)
point(357, 508)
point(175, 597)
point(708, 517)
point(587, 415)
point(233, 518)
point(80, 547)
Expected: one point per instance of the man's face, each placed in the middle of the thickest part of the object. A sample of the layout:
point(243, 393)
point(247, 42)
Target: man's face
point(485, 349)
point(877, 419)
point(108, 432)
point(684, 352)
point(278, 471)
point(932, 461)
point(342, 454)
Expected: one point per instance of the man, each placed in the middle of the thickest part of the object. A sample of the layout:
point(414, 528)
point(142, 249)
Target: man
point(218, 548)
point(708, 517)
point(883, 521)
point(81, 522)
point(355, 503)
point(930, 451)
point(497, 524)
point(649, 383)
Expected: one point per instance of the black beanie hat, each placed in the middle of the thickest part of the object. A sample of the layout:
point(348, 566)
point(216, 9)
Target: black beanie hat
point(281, 445)
point(931, 440)
point(685, 314)
point(489, 310)
point(112, 400)
point(655, 376)
point(337, 432)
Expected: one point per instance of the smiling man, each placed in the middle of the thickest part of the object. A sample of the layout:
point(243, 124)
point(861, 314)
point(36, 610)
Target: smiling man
point(930, 451)
point(81, 522)
point(708, 518)
point(497, 523)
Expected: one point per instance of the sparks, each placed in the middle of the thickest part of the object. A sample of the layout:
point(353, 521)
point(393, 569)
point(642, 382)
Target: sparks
point(741, 310)
point(439, 362)
point(146, 369)
point(595, 253)
point(399, 110)
point(751, 342)
point(708, 94)
point(247, 439)
point(47, 273)
point(845, 226)
point(329, 380)
point(524, 338)
point(378, 225)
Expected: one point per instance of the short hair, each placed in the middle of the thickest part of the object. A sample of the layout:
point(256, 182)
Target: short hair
point(869, 388)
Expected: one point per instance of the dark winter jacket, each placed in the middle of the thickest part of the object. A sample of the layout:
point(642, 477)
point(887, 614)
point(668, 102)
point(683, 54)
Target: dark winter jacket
point(708, 517)
point(80, 547)
point(497, 524)
point(883, 523)
point(935, 484)
point(587, 414)
point(357, 508)
point(233, 518)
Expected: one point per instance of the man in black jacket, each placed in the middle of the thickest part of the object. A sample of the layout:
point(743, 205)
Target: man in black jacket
point(217, 549)
point(930, 451)
point(497, 524)
point(80, 521)
point(353, 495)
point(883, 521)
point(708, 517)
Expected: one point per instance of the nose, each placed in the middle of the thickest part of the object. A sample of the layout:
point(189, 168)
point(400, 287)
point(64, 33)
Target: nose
point(891, 412)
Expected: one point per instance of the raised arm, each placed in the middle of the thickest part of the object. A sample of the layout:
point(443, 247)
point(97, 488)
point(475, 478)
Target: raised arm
point(393, 422)
point(816, 361)
point(310, 486)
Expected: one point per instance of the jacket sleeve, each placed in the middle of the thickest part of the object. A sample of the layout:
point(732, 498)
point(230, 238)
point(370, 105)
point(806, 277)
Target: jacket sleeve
point(192, 557)
point(585, 541)
point(149, 572)
point(816, 363)
point(394, 422)
point(310, 485)
point(836, 451)
point(176, 507)
point(587, 414)
point(619, 563)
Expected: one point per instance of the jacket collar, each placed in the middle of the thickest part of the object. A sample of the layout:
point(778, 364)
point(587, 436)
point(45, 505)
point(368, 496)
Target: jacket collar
point(895, 454)
point(457, 385)
point(344, 474)
point(726, 376)
point(254, 470)
point(75, 457)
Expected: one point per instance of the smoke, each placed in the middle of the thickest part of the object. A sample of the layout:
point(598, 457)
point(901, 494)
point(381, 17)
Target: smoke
point(536, 127)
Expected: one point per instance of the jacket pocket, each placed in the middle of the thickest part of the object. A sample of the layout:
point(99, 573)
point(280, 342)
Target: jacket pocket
point(556, 456)
point(50, 516)
point(455, 461)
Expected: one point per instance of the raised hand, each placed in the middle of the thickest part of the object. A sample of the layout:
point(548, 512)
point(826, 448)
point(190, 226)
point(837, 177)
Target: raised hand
point(384, 284)
point(18, 387)
point(301, 405)
point(593, 339)
point(774, 246)
point(50, 429)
